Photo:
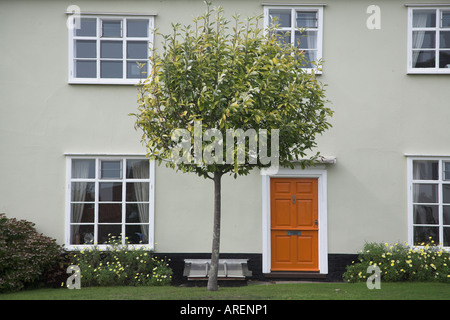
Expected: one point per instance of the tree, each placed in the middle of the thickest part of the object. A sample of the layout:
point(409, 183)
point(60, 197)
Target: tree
point(222, 78)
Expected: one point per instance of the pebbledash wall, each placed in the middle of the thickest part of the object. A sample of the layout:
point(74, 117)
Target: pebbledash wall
point(387, 115)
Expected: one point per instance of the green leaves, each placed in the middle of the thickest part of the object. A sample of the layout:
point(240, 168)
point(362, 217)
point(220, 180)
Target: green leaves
point(236, 77)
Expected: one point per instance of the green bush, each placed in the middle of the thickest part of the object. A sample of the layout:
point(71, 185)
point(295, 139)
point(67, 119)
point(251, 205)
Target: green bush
point(25, 254)
point(399, 262)
point(120, 265)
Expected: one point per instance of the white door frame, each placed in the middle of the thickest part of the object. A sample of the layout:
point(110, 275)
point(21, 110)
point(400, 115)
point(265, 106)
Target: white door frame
point(317, 172)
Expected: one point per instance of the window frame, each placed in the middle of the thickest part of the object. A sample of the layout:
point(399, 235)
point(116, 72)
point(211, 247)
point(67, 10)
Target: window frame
point(124, 38)
point(97, 180)
point(299, 8)
point(437, 29)
point(440, 181)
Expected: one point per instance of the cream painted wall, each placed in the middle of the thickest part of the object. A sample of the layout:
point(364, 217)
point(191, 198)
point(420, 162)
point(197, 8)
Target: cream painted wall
point(381, 113)
point(184, 213)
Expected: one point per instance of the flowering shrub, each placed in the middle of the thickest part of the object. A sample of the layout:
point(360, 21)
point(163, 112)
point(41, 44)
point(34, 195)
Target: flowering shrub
point(399, 262)
point(120, 265)
point(25, 254)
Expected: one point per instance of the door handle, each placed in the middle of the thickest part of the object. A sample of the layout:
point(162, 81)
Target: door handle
point(315, 222)
point(293, 199)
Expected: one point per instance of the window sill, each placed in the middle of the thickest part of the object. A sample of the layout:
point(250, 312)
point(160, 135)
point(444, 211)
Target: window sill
point(104, 247)
point(107, 81)
point(429, 71)
point(313, 70)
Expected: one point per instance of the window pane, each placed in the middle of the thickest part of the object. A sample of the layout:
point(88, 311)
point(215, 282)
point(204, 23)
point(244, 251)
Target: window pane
point(111, 69)
point(112, 28)
point(282, 18)
point(283, 36)
point(446, 171)
point(138, 169)
point(137, 28)
point(105, 232)
point(307, 19)
point(81, 234)
point(424, 18)
point(85, 69)
point(83, 191)
point(137, 213)
point(110, 212)
point(111, 49)
point(424, 39)
point(85, 49)
point(446, 193)
point(306, 40)
point(137, 234)
point(445, 22)
point(111, 169)
point(424, 235)
point(134, 71)
point(81, 212)
point(425, 170)
point(110, 191)
point(444, 59)
point(137, 191)
point(424, 59)
point(83, 168)
point(446, 237)
point(446, 215)
point(425, 193)
point(137, 49)
point(444, 41)
point(88, 27)
point(310, 57)
point(426, 214)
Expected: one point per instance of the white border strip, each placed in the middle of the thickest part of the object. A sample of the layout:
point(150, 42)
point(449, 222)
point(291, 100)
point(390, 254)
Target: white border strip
point(294, 4)
point(112, 13)
point(427, 4)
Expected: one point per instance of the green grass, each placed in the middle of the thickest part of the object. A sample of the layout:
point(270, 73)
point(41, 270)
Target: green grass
point(272, 291)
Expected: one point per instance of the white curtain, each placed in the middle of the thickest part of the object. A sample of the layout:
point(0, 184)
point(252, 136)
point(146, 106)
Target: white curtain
point(312, 44)
point(141, 189)
point(418, 36)
point(80, 169)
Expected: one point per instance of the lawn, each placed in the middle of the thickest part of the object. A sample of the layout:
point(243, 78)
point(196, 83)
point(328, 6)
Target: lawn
point(266, 291)
point(272, 301)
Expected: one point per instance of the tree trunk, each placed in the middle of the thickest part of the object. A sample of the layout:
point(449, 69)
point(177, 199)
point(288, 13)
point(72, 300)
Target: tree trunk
point(213, 271)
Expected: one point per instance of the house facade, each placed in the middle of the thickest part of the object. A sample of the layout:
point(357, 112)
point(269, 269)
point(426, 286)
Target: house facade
point(72, 163)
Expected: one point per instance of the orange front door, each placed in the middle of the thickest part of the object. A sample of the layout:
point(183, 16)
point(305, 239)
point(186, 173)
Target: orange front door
point(294, 224)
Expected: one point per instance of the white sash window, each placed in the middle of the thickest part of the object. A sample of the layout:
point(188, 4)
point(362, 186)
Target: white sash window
point(429, 40)
point(109, 196)
point(429, 201)
point(109, 49)
point(301, 26)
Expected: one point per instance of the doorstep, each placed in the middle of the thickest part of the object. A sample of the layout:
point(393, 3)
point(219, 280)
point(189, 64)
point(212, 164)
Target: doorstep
point(294, 275)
